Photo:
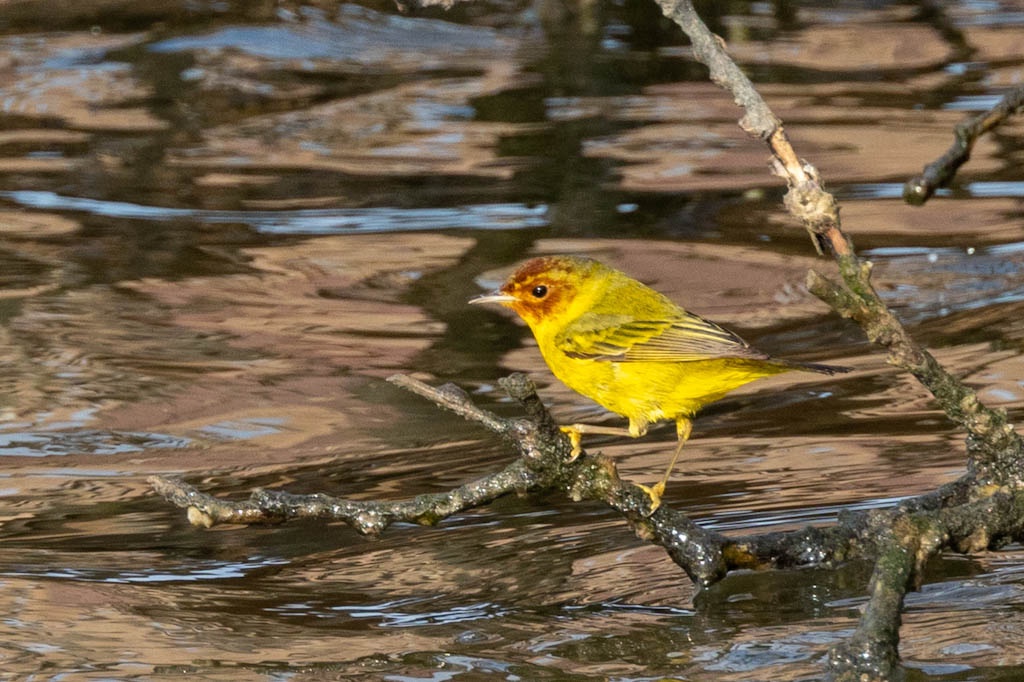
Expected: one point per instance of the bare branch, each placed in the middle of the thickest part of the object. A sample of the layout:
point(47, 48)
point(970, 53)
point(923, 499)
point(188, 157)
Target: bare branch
point(997, 449)
point(907, 543)
point(543, 464)
point(705, 555)
point(871, 653)
point(938, 173)
point(806, 199)
point(366, 517)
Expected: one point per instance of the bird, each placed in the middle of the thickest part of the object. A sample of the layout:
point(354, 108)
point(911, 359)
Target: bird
point(630, 348)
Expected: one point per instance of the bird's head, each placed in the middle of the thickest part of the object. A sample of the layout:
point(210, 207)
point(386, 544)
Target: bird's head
point(545, 289)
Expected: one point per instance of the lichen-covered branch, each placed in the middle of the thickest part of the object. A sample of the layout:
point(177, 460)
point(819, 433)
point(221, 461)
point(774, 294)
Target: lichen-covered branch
point(997, 450)
point(938, 173)
point(816, 208)
point(366, 517)
point(906, 542)
point(856, 298)
point(544, 463)
point(871, 654)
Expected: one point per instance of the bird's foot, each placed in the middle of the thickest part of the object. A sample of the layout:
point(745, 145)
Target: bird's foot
point(654, 492)
point(574, 437)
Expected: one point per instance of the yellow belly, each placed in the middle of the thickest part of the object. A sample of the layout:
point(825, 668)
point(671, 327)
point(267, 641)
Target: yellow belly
point(648, 392)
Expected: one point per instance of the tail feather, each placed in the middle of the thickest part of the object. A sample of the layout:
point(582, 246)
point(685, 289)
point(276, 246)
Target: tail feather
point(820, 369)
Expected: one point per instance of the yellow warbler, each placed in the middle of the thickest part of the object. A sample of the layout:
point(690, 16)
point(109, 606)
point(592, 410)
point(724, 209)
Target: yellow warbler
point(629, 348)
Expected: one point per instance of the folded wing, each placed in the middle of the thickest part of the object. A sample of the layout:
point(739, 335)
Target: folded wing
point(686, 338)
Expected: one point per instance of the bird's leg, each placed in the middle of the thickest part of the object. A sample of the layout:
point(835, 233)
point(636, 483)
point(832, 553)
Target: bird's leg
point(683, 429)
point(576, 431)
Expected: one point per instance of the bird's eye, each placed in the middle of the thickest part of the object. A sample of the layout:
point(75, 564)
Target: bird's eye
point(539, 291)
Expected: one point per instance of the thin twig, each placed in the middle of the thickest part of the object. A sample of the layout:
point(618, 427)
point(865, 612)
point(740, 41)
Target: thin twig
point(453, 398)
point(940, 172)
point(807, 199)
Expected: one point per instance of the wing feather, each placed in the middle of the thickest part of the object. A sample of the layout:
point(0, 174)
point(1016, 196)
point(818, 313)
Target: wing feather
point(685, 338)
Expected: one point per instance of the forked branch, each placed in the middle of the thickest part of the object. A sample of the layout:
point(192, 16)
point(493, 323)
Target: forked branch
point(543, 464)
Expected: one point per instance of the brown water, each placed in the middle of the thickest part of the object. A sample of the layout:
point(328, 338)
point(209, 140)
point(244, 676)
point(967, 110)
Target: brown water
point(223, 224)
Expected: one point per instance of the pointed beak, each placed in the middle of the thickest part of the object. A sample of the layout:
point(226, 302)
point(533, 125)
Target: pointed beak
point(493, 297)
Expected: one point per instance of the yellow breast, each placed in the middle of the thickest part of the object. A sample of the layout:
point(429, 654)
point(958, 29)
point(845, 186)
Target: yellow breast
point(648, 392)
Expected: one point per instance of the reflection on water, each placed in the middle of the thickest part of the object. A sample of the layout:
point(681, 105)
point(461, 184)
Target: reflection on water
point(355, 34)
point(206, 570)
point(222, 226)
point(308, 221)
point(937, 282)
point(82, 441)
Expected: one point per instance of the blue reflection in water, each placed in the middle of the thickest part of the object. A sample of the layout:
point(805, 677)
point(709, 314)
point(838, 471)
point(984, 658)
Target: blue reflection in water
point(398, 613)
point(307, 221)
point(972, 103)
point(740, 519)
point(398, 619)
point(873, 190)
point(894, 190)
point(746, 657)
point(358, 35)
point(244, 429)
point(996, 189)
point(205, 570)
point(88, 441)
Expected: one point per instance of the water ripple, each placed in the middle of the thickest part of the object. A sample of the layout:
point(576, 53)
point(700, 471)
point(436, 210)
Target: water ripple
point(508, 216)
point(207, 570)
point(83, 441)
point(358, 36)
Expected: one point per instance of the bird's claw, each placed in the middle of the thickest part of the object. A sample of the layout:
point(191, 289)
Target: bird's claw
point(654, 492)
point(574, 437)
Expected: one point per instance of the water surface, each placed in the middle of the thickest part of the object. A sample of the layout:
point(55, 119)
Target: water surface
point(223, 226)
